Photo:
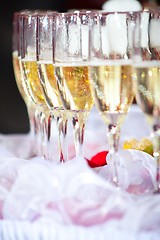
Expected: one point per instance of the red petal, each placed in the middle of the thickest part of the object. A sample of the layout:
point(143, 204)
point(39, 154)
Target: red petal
point(98, 160)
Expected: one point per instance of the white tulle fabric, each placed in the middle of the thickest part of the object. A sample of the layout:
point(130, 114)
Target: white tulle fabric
point(44, 200)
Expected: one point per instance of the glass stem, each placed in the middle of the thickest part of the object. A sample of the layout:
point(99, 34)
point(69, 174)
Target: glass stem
point(32, 127)
point(43, 134)
point(45, 123)
point(64, 134)
point(61, 121)
point(113, 139)
point(78, 121)
point(40, 119)
point(156, 154)
point(37, 131)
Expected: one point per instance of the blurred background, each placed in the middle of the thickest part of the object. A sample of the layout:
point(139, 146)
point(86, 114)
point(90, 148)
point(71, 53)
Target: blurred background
point(13, 112)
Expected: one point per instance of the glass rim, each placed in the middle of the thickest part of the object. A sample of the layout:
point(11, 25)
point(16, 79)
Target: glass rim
point(152, 10)
point(34, 12)
point(103, 12)
point(79, 12)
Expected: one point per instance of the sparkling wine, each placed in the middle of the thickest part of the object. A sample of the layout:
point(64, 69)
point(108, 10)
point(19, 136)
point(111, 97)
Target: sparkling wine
point(49, 83)
point(113, 90)
point(31, 75)
point(19, 78)
point(147, 84)
point(74, 87)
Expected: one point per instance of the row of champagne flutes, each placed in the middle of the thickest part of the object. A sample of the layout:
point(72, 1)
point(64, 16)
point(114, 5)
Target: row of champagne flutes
point(70, 61)
point(41, 110)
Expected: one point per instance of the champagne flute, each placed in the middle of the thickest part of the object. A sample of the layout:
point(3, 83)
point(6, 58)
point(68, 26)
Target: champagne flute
point(29, 71)
point(18, 76)
point(71, 70)
point(45, 60)
point(110, 74)
point(146, 65)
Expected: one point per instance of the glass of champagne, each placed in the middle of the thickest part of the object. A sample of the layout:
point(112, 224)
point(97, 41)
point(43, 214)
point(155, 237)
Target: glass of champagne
point(111, 74)
point(71, 39)
point(29, 71)
point(19, 78)
point(146, 75)
point(45, 60)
